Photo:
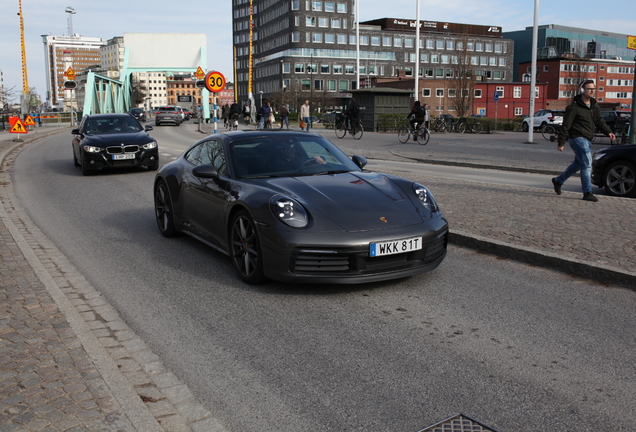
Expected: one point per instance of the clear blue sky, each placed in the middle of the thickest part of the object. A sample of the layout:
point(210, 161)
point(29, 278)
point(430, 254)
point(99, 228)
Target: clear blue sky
point(214, 18)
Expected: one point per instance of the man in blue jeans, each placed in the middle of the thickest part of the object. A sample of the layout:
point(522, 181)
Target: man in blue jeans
point(582, 117)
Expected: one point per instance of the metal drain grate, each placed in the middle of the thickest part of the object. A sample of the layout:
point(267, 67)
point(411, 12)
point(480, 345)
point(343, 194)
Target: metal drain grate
point(459, 423)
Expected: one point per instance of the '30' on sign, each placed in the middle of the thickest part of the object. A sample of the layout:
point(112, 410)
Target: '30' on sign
point(214, 81)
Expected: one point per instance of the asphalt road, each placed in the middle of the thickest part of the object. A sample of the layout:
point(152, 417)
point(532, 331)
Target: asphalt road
point(514, 346)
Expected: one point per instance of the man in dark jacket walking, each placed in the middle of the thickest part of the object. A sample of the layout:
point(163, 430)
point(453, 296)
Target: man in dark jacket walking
point(582, 117)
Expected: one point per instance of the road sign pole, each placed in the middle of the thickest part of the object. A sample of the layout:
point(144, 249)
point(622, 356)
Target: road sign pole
point(215, 119)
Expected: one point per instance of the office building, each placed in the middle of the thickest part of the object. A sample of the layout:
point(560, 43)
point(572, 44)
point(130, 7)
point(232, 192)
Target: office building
point(556, 41)
point(61, 51)
point(310, 46)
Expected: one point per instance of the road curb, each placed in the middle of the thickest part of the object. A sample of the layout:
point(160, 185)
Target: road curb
point(481, 166)
point(602, 274)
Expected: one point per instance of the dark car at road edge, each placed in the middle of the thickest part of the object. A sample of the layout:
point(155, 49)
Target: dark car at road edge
point(614, 168)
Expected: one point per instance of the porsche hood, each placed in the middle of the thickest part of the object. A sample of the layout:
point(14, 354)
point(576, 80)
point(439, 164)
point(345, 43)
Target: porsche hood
point(356, 201)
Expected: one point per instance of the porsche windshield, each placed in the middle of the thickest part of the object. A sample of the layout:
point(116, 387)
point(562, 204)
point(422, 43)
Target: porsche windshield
point(288, 156)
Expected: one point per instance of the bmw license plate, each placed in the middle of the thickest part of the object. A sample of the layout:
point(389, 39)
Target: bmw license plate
point(124, 156)
point(395, 246)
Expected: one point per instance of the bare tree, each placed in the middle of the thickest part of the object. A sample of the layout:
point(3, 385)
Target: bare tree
point(7, 97)
point(138, 91)
point(577, 67)
point(463, 78)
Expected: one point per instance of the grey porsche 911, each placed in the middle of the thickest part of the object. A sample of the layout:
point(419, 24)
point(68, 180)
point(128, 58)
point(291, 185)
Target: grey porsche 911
point(292, 207)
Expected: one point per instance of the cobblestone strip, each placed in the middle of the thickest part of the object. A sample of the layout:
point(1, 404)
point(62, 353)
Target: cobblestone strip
point(109, 380)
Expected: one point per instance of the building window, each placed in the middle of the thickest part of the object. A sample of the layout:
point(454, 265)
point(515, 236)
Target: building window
point(397, 42)
point(450, 45)
point(430, 44)
point(350, 69)
point(518, 111)
point(324, 69)
point(439, 73)
point(426, 92)
point(452, 92)
point(479, 46)
point(305, 84)
point(428, 72)
point(498, 48)
point(317, 38)
point(286, 67)
point(329, 6)
point(330, 38)
point(434, 58)
point(445, 58)
point(516, 92)
point(318, 85)
point(500, 91)
point(424, 58)
point(478, 93)
point(335, 23)
point(311, 68)
point(343, 85)
point(439, 92)
point(364, 40)
point(342, 8)
point(323, 22)
point(546, 68)
point(408, 43)
point(337, 69)
point(316, 6)
point(295, 4)
point(310, 21)
point(342, 39)
point(375, 40)
point(439, 44)
point(299, 68)
point(502, 61)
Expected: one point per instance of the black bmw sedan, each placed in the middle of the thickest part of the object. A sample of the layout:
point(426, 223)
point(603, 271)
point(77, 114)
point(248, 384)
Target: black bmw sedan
point(105, 141)
point(291, 206)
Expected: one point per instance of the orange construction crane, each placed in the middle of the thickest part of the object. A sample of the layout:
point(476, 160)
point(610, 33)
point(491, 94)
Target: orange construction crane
point(25, 78)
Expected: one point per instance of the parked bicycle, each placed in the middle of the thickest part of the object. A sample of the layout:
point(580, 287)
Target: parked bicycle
point(472, 127)
point(356, 130)
point(420, 133)
point(440, 125)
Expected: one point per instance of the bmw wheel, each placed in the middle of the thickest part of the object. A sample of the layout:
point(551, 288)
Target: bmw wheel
point(163, 210)
point(245, 249)
point(524, 127)
point(85, 169)
point(620, 179)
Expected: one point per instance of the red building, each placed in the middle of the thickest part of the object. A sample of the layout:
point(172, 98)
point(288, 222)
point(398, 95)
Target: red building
point(513, 99)
point(614, 80)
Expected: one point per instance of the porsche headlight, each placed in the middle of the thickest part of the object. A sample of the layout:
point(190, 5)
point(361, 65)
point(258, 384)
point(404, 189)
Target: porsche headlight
point(425, 197)
point(149, 145)
point(92, 149)
point(598, 155)
point(289, 211)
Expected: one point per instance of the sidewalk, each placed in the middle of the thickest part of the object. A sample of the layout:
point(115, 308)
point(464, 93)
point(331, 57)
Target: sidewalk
point(68, 362)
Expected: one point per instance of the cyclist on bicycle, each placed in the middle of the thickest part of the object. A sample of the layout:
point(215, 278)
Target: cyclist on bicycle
point(417, 115)
point(351, 113)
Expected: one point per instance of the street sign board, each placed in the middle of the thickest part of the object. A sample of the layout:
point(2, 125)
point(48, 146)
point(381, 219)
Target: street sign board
point(70, 85)
point(215, 81)
point(28, 121)
point(184, 98)
point(496, 96)
point(631, 42)
point(70, 73)
point(200, 83)
point(18, 127)
point(199, 73)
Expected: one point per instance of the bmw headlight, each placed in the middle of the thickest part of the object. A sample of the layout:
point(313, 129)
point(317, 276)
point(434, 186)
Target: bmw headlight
point(425, 197)
point(149, 145)
point(289, 211)
point(92, 149)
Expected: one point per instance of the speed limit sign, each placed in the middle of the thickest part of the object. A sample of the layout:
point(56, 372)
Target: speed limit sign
point(214, 81)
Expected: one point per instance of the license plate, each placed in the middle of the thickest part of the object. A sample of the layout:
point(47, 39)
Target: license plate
point(395, 246)
point(124, 156)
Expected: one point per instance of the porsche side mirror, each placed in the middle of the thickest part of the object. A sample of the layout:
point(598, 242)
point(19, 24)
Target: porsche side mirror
point(360, 161)
point(148, 128)
point(206, 171)
point(75, 132)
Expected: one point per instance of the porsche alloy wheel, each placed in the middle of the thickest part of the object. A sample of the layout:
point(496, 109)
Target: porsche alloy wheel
point(245, 249)
point(620, 179)
point(163, 210)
